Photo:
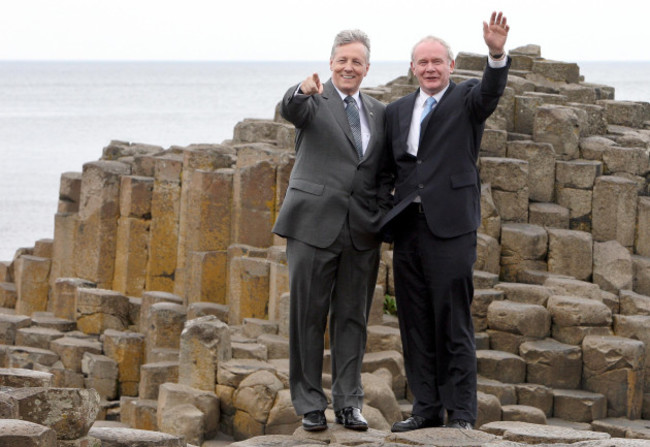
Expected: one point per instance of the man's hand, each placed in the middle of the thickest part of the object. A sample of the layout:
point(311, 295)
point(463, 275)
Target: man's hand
point(311, 85)
point(496, 33)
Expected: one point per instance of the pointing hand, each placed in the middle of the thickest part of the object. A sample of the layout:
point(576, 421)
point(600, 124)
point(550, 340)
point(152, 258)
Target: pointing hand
point(311, 85)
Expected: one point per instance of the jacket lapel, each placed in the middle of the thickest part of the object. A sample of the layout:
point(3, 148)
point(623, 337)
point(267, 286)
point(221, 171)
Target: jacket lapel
point(337, 108)
point(429, 117)
point(405, 114)
point(369, 111)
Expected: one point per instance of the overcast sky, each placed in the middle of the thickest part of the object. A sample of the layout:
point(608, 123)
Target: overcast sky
point(568, 30)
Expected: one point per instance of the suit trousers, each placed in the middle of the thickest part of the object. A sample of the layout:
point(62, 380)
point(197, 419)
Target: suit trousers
point(340, 281)
point(434, 291)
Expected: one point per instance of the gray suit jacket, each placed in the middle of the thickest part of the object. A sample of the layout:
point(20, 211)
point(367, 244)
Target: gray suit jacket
point(328, 183)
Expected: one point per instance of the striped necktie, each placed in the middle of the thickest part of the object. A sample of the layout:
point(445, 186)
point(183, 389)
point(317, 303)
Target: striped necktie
point(355, 123)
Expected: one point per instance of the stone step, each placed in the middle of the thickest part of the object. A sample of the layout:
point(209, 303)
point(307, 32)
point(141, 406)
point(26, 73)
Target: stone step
point(15, 432)
point(579, 405)
point(500, 365)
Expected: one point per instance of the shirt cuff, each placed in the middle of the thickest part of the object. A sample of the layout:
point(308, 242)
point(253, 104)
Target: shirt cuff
point(497, 64)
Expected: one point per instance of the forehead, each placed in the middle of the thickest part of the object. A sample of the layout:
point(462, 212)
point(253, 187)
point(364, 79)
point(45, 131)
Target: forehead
point(351, 50)
point(430, 49)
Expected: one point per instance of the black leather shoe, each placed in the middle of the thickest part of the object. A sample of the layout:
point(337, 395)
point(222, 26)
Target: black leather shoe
point(314, 421)
point(351, 418)
point(460, 424)
point(413, 423)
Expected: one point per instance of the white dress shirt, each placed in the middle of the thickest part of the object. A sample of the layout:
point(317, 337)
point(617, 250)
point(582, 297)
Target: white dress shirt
point(413, 140)
point(414, 131)
point(365, 128)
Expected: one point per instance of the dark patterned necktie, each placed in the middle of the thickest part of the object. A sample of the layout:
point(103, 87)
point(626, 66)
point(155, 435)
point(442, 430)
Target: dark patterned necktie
point(355, 123)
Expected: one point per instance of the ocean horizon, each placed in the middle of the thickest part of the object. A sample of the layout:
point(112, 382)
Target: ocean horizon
point(57, 115)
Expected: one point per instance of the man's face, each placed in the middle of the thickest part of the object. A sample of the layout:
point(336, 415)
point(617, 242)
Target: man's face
point(432, 67)
point(349, 66)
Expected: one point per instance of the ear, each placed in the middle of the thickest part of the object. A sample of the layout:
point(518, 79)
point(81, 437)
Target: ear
point(452, 66)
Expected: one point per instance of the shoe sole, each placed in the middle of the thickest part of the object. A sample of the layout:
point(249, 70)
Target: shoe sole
point(357, 427)
point(316, 428)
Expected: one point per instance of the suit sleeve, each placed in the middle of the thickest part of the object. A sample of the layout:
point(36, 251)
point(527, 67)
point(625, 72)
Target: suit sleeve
point(386, 170)
point(484, 96)
point(296, 108)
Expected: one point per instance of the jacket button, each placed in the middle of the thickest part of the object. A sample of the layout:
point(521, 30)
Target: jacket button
point(419, 162)
point(420, 186)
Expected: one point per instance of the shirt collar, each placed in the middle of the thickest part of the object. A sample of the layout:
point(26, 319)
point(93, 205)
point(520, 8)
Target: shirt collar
point(356, 96)
point(422, 97)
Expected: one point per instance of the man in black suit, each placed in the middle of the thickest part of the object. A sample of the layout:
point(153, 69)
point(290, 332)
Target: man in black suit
point(434, 135)
point(331, 218)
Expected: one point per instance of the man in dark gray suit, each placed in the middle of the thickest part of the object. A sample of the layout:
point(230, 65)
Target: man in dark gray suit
point(330, 217)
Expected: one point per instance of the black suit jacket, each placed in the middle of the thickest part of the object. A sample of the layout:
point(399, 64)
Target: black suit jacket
point(445, 172)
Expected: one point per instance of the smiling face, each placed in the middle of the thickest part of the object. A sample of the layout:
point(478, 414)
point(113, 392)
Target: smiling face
point(349, 66)
point(431, 66)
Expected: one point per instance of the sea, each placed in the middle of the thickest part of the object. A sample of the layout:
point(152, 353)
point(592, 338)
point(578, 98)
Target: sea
point(55, 116)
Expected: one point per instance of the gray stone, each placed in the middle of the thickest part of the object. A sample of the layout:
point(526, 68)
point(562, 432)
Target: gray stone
point(504, 391)
point(575, 311)
point(522, 246)
point(614, 210)
point(502, 366)
point(186, 421)
point(480, 304)
point(559, 126)
point(37, 337)
point(534, 395)
point(172, 395)
point(523, 413)
point(70, 412)
point(489, 408)
point(528, 433)
point(488, 254)
point(612, 266)
point(548, 215)
point(570, 253)
point(129, 437)
point(525, 293)
point(380, 338)
point(593, 147)
point(71, 350)
point(613, 366)
point(233, 372)
point(507, 341)
point(578, 405)
point(441, 437)
point(16, 433)
point(18, 378)
point(633, 303)
point(551, 363)
point(530, 320)
point(508, 178)
point(9, 325)
point(204, 343)
point(641, 266)
point(541, 167)
point(378, 393)
point(578, 174)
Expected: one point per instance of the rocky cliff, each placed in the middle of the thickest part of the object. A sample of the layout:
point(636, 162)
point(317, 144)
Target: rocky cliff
point(161, 303)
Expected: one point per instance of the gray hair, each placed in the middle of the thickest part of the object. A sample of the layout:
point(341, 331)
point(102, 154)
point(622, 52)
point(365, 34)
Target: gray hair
point(350, 36)
point(450, 54)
